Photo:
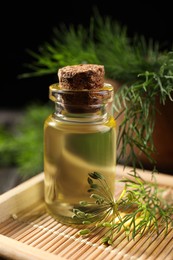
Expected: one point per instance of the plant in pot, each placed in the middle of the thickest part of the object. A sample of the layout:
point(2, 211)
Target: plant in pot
point(141, 74)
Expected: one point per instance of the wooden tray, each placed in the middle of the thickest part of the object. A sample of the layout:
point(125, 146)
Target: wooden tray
point(41, 237)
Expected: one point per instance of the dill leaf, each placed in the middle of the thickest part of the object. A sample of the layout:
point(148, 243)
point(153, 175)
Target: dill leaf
point(138, 210)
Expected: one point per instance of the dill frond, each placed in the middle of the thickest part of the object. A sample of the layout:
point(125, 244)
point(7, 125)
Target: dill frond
point(138, 210)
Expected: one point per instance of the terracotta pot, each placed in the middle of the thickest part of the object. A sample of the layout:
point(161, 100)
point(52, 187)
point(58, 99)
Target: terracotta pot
point(162, 136)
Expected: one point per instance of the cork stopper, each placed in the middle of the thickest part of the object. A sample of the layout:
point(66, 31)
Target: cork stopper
point(82, 87)
point(83, 76)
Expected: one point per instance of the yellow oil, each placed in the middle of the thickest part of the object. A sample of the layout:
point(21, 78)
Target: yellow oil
point(71, 151)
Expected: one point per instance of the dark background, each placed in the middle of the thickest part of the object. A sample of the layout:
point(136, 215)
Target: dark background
point(29, 24)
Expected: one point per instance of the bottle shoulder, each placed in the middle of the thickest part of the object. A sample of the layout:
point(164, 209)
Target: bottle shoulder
point(67, 125)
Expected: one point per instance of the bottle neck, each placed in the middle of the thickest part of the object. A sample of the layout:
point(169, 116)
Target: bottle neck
point(99, 116)
point(82, 105)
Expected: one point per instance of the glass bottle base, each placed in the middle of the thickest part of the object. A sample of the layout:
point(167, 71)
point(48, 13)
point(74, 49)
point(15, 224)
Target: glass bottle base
point(63, 213)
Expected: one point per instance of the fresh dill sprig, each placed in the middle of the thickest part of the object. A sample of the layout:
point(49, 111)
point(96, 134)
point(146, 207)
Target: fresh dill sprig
point(138, 104)
point(104, 41)
point(137, 211)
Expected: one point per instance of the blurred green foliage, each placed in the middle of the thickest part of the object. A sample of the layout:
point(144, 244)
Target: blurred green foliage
point(23, 148)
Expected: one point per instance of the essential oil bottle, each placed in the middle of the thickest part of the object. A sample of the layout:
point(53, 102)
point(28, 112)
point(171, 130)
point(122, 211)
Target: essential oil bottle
point(79, 138)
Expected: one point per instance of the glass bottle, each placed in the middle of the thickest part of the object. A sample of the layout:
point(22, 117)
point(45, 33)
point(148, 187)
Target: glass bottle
point(79, 138)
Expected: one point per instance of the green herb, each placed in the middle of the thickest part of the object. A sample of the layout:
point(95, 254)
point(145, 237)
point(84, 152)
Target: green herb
point(138, 103)
point(105, 41)
point(138, 210)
